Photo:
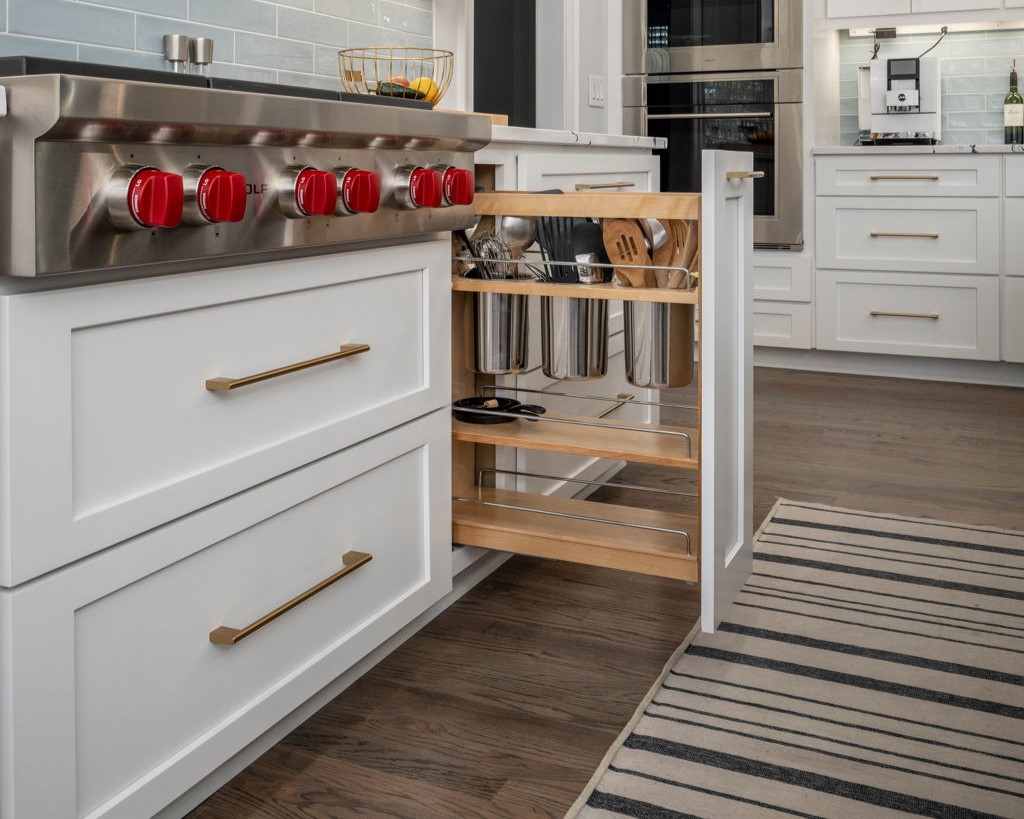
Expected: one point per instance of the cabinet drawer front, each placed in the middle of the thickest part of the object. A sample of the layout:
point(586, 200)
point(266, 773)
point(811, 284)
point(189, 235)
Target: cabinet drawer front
point(782, 276)
point(131, 682)
point(906, 175)
point(906, 314)
point(613, 172)
point(778, 324)
point(1013, 327)
point(114, 430)
point(926, 235)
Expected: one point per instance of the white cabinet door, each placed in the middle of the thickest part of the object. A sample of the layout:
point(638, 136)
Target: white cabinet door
point(925, 6)
point(782, 276)
point(867, 8)
point(783, 324)
point(638, 173)
point(907, 175)
point(1013, 326)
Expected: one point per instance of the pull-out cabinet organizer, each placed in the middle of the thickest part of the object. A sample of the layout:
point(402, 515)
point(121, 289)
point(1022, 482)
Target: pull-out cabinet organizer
point(707, 539)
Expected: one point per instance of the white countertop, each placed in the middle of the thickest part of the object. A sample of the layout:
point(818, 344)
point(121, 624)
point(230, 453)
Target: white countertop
point(508, 133)
point(916, 149)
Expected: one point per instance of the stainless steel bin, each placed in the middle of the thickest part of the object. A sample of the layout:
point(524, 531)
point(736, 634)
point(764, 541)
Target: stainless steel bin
point(500, 333)
point(659, 344)
point(574, 338)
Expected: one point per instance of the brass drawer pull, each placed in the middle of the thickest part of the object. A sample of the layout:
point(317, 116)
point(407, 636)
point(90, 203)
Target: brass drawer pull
point(744, 174)
point(927, 178)
point(224, 384)
point(933, 316)
point(227, 636)
point(881, 234)
point(595, 186)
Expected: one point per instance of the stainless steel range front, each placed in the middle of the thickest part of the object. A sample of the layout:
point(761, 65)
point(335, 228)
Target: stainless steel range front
point(100, 173)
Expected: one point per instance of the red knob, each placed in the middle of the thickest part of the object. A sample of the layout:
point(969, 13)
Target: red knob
point(360, 192)
point(425, 188)
point(458, 187)
point(222, 195)
point(156, 198)
point(316, 192)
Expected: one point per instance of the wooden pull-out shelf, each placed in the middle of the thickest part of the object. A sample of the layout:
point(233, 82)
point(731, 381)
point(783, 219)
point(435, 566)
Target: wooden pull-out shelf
point(601, 438)
point(596, 543)
point(527, 287)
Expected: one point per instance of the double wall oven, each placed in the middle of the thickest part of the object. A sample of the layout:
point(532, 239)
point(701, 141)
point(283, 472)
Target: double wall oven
point(722, 75)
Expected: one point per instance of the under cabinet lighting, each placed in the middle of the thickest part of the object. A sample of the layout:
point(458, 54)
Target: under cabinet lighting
point(936, 28)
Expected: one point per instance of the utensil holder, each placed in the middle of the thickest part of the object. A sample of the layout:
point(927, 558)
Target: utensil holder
point(659, 344)
point(574, 338)
point(500, 333)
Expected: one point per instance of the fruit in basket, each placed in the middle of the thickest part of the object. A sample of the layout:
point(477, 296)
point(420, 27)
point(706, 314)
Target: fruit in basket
point(396, 89)
point(431, 93)
point(399, 80)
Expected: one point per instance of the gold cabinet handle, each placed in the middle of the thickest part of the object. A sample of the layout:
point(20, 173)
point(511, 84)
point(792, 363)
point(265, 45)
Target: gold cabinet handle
point(882, 234)
point(877, 177)
point(744, 174)
point(932, 316)
point(224, 384)
point(227, 636)
point(596, 186)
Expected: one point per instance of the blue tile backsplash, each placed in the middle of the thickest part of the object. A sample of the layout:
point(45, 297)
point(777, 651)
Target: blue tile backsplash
point(287, 41)
point(974, 68)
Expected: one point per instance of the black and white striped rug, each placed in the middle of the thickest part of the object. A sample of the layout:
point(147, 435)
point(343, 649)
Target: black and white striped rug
point(872, 667)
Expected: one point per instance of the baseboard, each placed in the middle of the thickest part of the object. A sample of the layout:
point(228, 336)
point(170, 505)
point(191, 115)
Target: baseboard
point(995, 373)
point(462, 583)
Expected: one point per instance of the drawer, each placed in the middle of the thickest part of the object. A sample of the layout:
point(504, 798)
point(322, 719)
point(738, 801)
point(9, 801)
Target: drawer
point(782, 324)
point(925, 235)
point(130, 703)
point(863, 8)
point(1013, 327)
point(907, 314)
point(907, 175)
point(782, 276)
point(615, 172)
point(111, 428)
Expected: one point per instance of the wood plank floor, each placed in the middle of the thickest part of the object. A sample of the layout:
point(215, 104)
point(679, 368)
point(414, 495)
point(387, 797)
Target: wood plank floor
point(504, 705)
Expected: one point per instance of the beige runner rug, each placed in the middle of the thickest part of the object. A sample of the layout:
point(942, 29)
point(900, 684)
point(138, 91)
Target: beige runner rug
point(872, 667)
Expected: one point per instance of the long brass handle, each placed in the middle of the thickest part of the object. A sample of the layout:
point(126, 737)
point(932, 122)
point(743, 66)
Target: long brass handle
point(227, 636)
point(882, 234)
point(920, 178)
point(594, 186)
point(932, 316)
point(744, 174)
point(224, 384)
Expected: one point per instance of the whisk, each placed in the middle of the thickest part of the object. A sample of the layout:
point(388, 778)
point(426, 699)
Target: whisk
point(495, 259)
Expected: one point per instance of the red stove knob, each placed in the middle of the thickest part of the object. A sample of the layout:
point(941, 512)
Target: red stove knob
point(358, 191)
point(417, 187)
point(213, 194)
point(139, 197)
point(457, 186)
point(305, 192)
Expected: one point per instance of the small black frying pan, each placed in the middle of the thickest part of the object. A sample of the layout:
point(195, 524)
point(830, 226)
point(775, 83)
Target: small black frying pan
point(463, 410)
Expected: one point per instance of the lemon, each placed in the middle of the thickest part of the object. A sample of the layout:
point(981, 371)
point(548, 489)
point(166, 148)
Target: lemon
point(427, 87)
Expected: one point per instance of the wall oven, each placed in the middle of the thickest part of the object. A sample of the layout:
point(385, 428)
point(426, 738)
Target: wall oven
point(758, 112)
point(669, 36)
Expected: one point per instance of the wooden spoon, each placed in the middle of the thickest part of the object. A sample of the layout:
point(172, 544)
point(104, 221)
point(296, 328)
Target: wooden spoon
point(663, 254)
point(692, 247)
point(624, 243)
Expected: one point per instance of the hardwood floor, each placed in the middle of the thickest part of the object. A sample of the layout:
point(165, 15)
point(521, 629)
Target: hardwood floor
point(504, 705)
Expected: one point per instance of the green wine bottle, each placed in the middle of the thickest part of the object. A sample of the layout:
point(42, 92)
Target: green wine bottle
point(1013, 112)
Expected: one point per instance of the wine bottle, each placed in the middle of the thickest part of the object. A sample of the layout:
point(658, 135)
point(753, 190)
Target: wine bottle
point(1013, 112)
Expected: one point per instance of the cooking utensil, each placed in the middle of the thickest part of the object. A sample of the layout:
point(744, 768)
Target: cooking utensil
point(495, 259)
point(464, 409)
point(588, 249)
point(554, 233)
point(517, 232)
point(663, 243)
point(624, 242)
point(692, 248)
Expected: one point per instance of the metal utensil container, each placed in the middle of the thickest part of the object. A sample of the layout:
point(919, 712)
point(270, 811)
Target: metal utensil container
point(659, 344)
point(500, 333)
point(574, 338)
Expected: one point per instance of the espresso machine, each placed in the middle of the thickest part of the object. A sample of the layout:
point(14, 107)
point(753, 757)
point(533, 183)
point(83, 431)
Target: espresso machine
point(905, 102)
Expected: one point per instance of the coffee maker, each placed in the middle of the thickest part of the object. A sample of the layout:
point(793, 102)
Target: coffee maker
point(905, 102)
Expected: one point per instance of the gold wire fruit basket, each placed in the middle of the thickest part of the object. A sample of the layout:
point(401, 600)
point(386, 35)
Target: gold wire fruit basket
point(397, 71)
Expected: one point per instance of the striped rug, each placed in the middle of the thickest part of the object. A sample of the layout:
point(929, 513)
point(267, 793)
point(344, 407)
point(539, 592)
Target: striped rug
point(873, 666)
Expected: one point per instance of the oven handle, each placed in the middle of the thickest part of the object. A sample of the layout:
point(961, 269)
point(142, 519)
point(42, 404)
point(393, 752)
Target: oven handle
point(710, 116)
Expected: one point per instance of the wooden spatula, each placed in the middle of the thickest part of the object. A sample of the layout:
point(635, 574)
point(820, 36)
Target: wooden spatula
point(624, 243)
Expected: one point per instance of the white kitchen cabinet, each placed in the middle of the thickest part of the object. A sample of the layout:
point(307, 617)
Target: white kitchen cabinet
point(864, 8)
point(1013, 319)
point(908, 314)
point(783, 324)
point(909, 12)
point(110, 429)
point(588, 171)
point(927, 6)
point(122, 701)
point(906, 175)
point(782, 276)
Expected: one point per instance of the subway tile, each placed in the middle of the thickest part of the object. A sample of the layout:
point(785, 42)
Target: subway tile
point(166, 8)
point(976, 119)
point(307, 80)
point(244, 72)
point(363, 11)
point(965, 137)
point(965, 102)
point(312, 28)
point(120, 56)
point(150, 33)
point(363, 36)
point(327, 62)
point(406, 19)
point(962, 67)
point(63, 20)
point(11, 45)
point(274, 52)
point(848, 106)
point(308, 5)
point(416, 41)
point(3, 16)
point(243, 15)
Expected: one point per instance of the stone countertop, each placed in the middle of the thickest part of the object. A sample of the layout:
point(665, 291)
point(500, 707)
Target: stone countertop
point(510, 134)
point(850, 150)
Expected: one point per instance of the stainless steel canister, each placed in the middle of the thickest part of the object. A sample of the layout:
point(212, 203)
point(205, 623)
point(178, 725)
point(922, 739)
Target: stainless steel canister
point(574, 338)
point(659, 344)
point(500, 333)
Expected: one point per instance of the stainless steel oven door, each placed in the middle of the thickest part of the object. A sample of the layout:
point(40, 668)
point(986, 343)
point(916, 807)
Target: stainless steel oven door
point(670, 36)
point(756, 112)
